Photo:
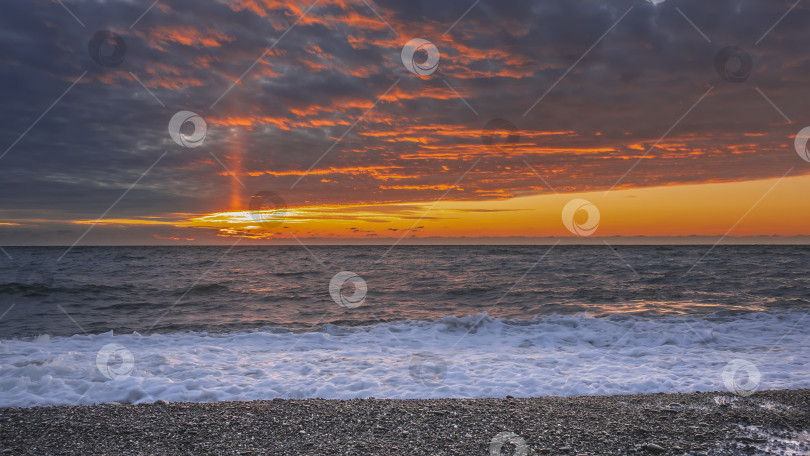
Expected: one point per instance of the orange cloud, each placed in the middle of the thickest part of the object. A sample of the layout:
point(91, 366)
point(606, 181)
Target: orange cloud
point(161, 37)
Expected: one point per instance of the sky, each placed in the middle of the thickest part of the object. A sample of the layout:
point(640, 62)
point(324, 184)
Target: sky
point(187, 122)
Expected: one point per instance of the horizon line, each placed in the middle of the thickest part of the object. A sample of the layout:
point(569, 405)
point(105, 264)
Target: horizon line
point(618, 240)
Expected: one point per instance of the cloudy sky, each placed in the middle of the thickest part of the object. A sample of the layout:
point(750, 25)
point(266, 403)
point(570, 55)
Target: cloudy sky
point(668, 119)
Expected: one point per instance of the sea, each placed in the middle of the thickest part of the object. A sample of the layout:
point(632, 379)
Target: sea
point(216, 323)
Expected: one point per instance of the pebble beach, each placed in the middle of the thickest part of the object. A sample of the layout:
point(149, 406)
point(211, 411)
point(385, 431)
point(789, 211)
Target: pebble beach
point(705, 423)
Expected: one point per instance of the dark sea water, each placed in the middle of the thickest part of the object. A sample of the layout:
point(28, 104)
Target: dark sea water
point(136, 324)
point(167, 289)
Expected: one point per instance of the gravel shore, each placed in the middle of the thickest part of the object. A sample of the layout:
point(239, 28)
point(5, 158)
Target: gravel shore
point(768, 422)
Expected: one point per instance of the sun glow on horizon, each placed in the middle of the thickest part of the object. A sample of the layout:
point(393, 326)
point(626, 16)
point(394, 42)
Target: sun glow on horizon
point(741, 208)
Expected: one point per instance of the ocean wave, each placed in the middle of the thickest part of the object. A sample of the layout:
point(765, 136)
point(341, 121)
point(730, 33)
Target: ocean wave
point(27, 289)
point(48, 287)
point(202, 289)
point(470, 356)
point(294, 273)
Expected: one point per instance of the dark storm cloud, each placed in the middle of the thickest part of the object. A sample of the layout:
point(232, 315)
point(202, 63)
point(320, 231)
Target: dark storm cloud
point(316, 82)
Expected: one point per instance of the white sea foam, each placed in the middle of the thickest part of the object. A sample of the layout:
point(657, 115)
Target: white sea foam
point(553, 355)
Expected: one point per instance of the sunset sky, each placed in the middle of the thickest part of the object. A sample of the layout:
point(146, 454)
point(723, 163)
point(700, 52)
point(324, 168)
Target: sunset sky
point(618, 103)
